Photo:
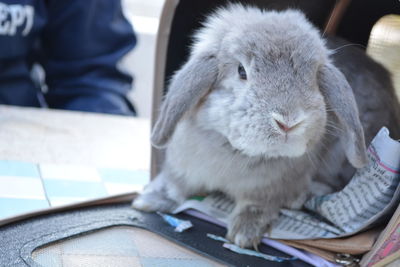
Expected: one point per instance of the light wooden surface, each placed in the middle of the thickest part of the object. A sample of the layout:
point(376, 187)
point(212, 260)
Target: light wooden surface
point(384, 46)
point(66, 137)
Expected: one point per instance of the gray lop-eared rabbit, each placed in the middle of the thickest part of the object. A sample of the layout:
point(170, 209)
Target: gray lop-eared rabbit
point(259, 110)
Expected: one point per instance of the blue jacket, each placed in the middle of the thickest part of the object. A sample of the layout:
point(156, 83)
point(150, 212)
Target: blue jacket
point(79, 43)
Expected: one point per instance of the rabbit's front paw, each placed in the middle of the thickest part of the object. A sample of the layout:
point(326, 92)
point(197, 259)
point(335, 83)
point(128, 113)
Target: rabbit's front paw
point(247, 227)
point(154, 201)
point(245, 233)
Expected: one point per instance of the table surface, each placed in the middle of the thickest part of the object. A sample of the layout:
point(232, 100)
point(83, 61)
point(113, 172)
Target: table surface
point(68, 137)
point(51, 158)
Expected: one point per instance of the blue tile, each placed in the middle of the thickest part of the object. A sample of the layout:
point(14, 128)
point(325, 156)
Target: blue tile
point(160, 262)
point(125, 176)
point(68, 188)
point(14, 206)
point(17, 168)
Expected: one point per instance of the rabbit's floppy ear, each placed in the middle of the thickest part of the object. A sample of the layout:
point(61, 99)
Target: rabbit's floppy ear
point(339, 96)
point(187, 87)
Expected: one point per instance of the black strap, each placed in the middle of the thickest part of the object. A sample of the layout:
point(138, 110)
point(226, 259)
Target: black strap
point(20, 239)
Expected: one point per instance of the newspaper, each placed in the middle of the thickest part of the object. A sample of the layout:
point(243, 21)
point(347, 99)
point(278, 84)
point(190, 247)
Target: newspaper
point(372, 194)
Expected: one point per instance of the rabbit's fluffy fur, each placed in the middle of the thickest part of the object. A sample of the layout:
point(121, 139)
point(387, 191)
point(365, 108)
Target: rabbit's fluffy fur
point(227, 133)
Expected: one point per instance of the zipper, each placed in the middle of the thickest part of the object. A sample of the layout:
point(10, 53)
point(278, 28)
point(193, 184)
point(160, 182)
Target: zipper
point(347, 260)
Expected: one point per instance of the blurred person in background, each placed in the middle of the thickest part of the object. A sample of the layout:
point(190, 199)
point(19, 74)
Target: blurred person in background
point(78, 43)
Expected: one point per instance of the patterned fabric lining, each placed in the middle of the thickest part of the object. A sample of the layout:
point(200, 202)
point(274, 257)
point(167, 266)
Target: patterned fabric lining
point(119, 247)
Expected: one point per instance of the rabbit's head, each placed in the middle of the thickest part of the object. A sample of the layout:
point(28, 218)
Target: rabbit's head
point(264, 81)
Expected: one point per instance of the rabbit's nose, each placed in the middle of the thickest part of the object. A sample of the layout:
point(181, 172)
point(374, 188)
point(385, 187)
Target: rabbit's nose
point(284, 125)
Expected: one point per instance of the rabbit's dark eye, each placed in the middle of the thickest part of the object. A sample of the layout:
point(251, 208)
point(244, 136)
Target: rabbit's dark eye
point(242, 72)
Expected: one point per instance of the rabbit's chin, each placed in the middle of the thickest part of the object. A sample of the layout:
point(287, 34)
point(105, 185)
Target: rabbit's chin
point(291, 150)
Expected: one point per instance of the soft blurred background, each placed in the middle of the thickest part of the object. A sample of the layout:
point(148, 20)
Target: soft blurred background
point(144, 16)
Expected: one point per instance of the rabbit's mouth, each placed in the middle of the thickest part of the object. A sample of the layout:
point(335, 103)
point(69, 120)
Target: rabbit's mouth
point(287, 147)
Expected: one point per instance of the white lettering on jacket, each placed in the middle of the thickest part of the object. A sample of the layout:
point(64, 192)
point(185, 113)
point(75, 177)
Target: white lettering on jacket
point(14, 17)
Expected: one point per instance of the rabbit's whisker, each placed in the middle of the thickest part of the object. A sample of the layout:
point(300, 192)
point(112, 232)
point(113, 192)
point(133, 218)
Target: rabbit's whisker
point(346, 45)
point(309, 156)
